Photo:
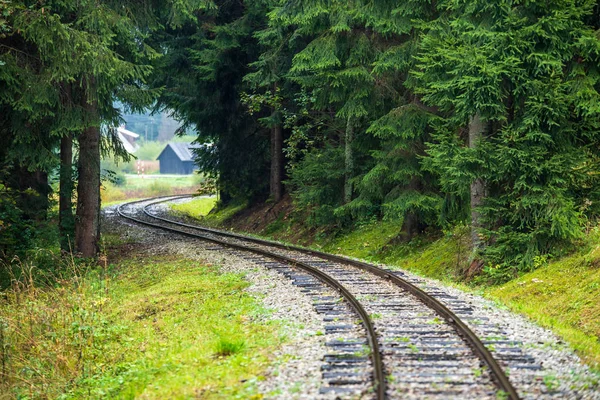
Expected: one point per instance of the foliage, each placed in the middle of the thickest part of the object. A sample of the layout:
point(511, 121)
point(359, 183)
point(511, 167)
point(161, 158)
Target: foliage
point(202, 76)
point(375, 100)
point(318, 180)
point(16, 233)
point(530, 71)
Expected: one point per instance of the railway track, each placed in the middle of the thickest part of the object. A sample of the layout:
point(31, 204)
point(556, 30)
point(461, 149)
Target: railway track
point(387, 338)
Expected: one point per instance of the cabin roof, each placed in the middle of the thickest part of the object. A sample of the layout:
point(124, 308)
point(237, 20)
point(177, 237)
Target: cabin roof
point(183, 151)
point(127, 139)
point(126, 132)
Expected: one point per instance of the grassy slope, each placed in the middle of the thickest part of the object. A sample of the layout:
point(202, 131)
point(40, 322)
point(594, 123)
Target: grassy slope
point(151, 328)
point(200, 207)
point(563, 295)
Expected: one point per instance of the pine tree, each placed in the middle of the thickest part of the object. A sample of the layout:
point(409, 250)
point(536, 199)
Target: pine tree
point(525, 76)
point(270, 88)
point(203, 77)
point(96, 51)
point(333, 68)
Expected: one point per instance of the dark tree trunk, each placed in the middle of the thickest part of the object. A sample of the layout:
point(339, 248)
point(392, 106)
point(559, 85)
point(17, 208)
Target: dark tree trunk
point(477, 128)
point(349, 161)
point(276, 163)
point(88, 187)
point(412, 224)
point(66, 222)
point(34, 191)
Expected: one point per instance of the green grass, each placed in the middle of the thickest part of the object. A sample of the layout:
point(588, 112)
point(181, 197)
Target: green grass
point(365, 242)
point(208, 210)
point(137, 182)
point(197, 208)
point(136, 187)
point(149, 328)
point(563, 295)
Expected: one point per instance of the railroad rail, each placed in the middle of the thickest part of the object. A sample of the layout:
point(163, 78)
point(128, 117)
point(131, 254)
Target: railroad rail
point(265, 248)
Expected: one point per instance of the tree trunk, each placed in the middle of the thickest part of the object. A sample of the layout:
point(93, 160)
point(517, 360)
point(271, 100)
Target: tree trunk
point(349, 161)
point(66, 221)
point(276, 163)
point(477, 128)
point(412, 225)
point(88, 187)
point(34, 191)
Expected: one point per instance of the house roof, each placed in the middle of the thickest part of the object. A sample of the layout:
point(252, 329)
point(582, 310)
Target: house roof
point(125, 132)
point(183, 151)
point(127, 139)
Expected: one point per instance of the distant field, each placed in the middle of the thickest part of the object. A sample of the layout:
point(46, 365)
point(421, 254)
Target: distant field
point(136, 187)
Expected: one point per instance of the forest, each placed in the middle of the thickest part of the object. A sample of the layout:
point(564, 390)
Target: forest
point(457, 140)
point(433, 114)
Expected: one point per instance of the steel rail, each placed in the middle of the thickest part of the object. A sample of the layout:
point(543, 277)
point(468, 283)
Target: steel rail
point(499, 376)
point(379, 382)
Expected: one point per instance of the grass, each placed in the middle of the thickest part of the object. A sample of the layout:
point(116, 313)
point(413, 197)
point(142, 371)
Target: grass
point(145, 327)
point(208, 210)
point(136, 187)
point(197, 208)
point(563, 295)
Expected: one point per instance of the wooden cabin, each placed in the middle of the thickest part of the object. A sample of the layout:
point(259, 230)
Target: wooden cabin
point(177, 158)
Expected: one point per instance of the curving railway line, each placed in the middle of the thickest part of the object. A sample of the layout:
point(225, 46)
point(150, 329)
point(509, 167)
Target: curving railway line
point(386, 337)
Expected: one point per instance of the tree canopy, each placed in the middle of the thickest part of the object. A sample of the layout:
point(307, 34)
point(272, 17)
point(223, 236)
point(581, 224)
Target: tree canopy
point(431, 114)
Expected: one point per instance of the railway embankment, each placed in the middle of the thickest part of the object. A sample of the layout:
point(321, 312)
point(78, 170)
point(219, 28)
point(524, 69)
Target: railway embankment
point(561, 293)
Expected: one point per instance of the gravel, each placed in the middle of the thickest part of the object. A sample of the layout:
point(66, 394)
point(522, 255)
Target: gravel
point(563, 374)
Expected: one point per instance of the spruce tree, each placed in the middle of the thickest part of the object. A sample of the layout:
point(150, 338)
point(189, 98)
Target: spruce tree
point(518, 84)
point(202, 76)
point(96, 51)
